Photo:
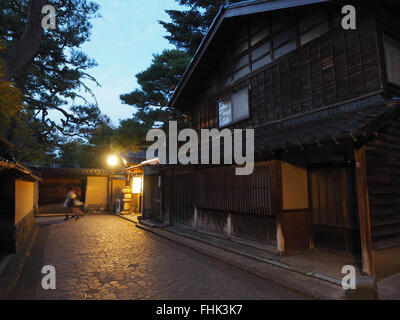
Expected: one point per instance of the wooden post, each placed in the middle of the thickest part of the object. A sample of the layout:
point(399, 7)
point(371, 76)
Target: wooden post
point(311, 215)
point(275, 178)
point(111, 196)
point(344, 208)
point(364, 210)
point(142, 195)
point(229, 226)
point(195, 219)
point(159, 185)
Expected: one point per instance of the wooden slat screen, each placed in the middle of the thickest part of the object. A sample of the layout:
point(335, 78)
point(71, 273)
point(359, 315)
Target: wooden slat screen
point(221, 189)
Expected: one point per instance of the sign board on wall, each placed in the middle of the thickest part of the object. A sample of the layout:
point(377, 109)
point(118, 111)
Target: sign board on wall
point(234, 109)
point(225, 112)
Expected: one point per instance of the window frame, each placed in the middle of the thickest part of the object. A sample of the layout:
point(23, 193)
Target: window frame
point(235, 75)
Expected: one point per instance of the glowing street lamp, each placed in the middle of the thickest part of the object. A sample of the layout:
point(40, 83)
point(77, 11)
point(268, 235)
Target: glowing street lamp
point(112, 161)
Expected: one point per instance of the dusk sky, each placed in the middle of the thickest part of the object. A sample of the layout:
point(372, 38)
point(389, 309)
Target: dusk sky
point(122, 43)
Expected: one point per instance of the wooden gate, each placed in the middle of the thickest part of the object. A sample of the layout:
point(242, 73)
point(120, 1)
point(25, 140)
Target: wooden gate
point(156, 194)
point(52, 193)
point(178, 198)
point(335, 218)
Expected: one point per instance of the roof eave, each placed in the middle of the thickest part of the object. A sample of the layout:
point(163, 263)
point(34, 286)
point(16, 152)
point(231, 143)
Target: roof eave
point(197, 56)
point(151, 162)
point(236, 9)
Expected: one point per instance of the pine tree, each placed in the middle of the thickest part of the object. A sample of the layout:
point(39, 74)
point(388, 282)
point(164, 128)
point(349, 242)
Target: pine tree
point(49, 69)
point(188, 27)
point(158, 82)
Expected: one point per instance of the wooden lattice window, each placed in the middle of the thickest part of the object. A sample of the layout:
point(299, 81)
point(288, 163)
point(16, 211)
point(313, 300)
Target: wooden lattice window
point(220, 189)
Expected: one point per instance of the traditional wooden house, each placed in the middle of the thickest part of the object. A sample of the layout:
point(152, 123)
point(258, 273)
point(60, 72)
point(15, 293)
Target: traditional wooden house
point(324, 105)
point(19, 200)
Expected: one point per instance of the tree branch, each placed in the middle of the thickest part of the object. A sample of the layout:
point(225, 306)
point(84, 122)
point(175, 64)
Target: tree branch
point(28, 46)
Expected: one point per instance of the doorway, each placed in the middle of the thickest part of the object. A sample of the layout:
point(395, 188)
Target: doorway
point(335, 220)
point(156, 195)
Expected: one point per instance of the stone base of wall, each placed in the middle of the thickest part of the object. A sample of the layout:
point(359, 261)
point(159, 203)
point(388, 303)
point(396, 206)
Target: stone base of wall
point(12, 237)
point(96, 209)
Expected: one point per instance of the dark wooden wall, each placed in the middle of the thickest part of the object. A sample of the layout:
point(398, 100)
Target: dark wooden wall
point(383, 172)
point(7, 197)
point(177, 198)
point(217, 192)
point(218, 189)
point(296, 229)
point(211, 221)
point(156, 198)
point(335, 220)
point(254, 228)
point(335, 68)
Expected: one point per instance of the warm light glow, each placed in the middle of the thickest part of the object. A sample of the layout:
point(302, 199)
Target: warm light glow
point(137, 185)
point(112, 161)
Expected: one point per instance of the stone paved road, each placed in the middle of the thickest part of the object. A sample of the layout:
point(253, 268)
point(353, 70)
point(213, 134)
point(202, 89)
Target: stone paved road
point(106, 257)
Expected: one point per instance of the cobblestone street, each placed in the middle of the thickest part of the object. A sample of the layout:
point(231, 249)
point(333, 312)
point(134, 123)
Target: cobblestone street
point(105, 257)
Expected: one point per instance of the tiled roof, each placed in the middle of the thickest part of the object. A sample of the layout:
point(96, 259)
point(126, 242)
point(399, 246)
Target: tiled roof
point(137, 157)
point(18, 169)
point(325, 126)
point(6, 164)
point(51, 172)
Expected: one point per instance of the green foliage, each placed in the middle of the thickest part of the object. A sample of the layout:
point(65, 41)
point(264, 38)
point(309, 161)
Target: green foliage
point(59, 73)
point(188, 27)
point(54, 79)
point(31, 149)
point(159, 80)
point(75, 154)
point(130, 136)
point(87, 154)
point(10, 100)
point(157, 83)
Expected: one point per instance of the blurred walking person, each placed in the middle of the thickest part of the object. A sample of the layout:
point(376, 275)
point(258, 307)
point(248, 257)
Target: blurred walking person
point(69, 203)
point(77, 204)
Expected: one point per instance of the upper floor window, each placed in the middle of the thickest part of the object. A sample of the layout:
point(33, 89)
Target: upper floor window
point(260, 33)
point(392, 58)
point(234, 108)
point(264, 40)
point(284, 42)
point(312, 26)
point(241, 56)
